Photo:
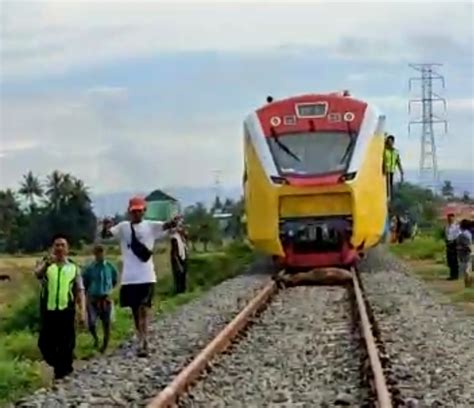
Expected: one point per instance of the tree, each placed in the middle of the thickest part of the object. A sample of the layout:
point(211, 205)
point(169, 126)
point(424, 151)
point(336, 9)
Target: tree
point(9, 219)
point(31, 189)
point(54, 189)
point(217, 206)
point(67, 209)
point(466, 197)
point(228, 205)
point(236, 226)
point(419, 203)
point(201, 225)
point(447, 190)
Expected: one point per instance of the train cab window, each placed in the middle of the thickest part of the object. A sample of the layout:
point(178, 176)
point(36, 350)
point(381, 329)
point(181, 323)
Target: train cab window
point(311, 153)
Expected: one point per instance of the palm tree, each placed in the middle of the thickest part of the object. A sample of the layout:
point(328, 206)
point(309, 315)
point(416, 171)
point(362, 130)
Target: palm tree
point(79, 192)
point(30, 189)
point(9, 211)
point(54, 189)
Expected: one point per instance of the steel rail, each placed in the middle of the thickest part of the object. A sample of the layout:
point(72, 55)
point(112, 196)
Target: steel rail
point(168, 396)
point(383, 394)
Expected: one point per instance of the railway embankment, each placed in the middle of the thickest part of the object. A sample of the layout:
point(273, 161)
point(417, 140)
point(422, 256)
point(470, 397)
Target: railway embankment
point(427, 340)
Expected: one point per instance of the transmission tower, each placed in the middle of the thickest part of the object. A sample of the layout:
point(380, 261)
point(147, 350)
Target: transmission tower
point(428, 170)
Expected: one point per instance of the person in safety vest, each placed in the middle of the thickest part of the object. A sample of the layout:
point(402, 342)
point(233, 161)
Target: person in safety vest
point(61, 290)
point(137, 238)
point(178, 255)
point(391, 160)
point(100, 278)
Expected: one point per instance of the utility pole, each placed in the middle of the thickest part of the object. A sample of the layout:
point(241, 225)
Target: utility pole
point(428, 167)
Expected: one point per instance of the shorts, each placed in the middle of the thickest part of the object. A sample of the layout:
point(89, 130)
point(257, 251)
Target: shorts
point(136, 295)
point(99, 308)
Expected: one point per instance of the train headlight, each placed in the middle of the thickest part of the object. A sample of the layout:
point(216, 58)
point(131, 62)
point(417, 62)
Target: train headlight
point(275, 121)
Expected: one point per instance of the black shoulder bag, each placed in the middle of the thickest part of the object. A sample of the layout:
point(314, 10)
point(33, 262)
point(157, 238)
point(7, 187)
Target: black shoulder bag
point(140, 250)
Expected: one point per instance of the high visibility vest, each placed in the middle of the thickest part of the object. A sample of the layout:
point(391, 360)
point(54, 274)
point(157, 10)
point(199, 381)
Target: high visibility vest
point(60, 281)
point(391, 159)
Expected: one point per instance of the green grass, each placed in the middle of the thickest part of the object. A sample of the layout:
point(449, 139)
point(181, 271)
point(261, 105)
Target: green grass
point(422, 248)
point(426, 257)
point(20, 369)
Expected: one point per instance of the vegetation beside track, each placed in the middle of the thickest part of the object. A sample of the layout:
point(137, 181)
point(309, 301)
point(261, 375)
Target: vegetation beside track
point(21, 369)
point(426, 257)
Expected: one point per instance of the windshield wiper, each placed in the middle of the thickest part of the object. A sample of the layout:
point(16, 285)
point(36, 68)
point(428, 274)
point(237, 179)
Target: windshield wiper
point(351, 144)
point(282, 146)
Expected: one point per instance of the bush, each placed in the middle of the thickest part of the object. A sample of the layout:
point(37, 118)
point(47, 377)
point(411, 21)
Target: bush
point(20, 345)
point(18, 377)
point(24, 314)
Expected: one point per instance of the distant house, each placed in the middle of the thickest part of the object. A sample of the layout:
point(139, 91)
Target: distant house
point(459, 209)
point(161, 206)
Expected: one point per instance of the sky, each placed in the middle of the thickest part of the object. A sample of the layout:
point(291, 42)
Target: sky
point(139, 94)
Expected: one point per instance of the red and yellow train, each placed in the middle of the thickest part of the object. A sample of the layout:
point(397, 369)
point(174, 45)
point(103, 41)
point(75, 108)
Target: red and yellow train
point(315, 194)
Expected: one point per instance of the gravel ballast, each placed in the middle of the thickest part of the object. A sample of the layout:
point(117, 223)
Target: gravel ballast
point(302, 351)
point(124, 380)
point(430, 343)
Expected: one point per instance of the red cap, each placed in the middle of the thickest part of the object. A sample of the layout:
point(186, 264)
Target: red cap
point(136, 203)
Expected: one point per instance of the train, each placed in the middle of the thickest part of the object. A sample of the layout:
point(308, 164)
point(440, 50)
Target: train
point(314, 190)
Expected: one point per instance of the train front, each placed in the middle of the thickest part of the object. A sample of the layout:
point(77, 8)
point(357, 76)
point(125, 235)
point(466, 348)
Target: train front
point(309, 165)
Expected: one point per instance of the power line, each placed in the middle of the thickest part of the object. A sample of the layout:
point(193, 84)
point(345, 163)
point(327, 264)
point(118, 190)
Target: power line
point(428, 167)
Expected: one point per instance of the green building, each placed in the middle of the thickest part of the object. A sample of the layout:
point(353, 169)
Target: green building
point(161, 206)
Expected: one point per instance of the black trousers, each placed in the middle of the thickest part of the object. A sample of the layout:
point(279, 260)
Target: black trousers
point(179, 268)
point(389, 178)
point(452, 260)
point(57, 339)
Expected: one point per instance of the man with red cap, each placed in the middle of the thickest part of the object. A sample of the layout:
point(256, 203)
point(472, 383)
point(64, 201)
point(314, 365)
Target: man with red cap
point(137, 238)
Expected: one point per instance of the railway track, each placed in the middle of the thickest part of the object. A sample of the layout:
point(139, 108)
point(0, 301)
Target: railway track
point(272, 355)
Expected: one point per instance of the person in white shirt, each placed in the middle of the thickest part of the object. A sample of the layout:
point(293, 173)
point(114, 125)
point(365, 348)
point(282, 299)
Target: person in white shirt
point(137, 238)
point(451, 233)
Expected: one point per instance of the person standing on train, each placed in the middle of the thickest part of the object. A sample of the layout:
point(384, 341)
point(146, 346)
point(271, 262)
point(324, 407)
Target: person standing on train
point(451, 233)
point(391, 160)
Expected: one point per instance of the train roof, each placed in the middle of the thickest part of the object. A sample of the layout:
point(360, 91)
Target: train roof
point(311, 96)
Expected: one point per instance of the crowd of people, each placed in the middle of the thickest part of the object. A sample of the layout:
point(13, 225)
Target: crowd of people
point(65, 287)
point(458, 239)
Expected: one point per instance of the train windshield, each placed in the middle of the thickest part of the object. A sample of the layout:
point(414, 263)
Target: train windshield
point(311, 153)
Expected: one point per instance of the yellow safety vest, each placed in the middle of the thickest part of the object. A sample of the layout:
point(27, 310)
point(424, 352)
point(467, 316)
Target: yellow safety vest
point(60, 281)
point(391, 160)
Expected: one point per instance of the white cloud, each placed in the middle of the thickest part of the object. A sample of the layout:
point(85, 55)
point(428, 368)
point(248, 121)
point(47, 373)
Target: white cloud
point(113, 151)
point(52, 37)
point(96, 133)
